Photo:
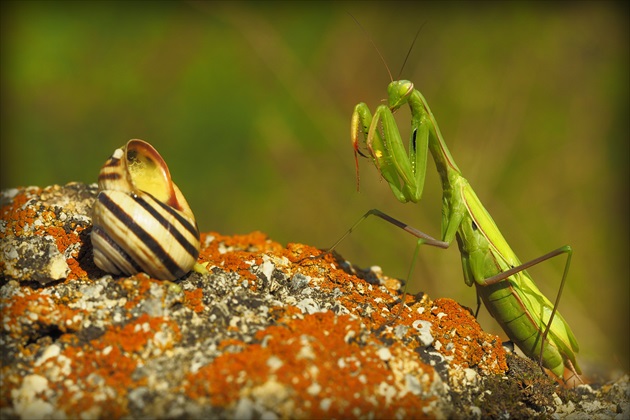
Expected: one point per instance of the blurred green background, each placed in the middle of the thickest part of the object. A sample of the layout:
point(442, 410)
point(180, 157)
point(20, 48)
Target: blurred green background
point(250, 105)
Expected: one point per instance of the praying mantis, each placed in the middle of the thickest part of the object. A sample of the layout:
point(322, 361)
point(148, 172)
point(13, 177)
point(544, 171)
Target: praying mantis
point(509, 293)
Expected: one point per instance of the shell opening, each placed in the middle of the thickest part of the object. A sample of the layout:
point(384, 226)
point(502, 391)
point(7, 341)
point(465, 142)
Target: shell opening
point(148, 172)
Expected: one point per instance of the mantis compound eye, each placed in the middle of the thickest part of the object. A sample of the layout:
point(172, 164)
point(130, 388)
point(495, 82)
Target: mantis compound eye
point(398, 93)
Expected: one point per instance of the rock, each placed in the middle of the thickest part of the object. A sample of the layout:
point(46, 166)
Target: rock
point(42, 231)
point(35, 258)
point(271, 331)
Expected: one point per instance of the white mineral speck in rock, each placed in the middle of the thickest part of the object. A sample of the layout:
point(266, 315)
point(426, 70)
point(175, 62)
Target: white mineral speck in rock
point(424, 331)
point(92, 291)
point(387, 391)
point(65, 365)
point(384, 353)
point(58, 267)
point(270, 394)
point(26, 402)
point(268, 415)
point(299, 281)
point(208, 241)
point(10, 253)
point(8, 194)
point(306, 351)
point(400, 330)
point(376, 269)
point(413, 384)
point(161, 339)
point(314, 389)
point(308, 306)
point(51, 351)
point(325, 404)
point(475, 411)
point(471, 375)
point(267, 269)
point(274, 363)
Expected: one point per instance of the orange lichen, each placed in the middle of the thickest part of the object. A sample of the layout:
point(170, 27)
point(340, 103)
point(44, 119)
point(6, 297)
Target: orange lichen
point(307, 357)
point(470, 345)
point(41, 308)
point(312, 360)
point(137, 289)
point(244, 251)
point(135, 335)
point(111, 359)
point(231, 343)
point(193, 299)
point(76, 271)
point(20, 215)
point(357, 294)
point(16, 214)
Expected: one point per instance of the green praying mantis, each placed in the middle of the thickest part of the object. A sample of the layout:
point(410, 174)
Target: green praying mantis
point(509, 293)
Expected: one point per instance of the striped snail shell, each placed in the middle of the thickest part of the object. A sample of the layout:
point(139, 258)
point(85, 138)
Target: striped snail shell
point(141, 220)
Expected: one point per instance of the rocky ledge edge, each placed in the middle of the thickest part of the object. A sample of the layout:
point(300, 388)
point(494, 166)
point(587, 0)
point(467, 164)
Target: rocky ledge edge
point(270, 332)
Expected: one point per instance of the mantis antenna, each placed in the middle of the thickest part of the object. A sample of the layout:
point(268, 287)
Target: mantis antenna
point(375, 47)
point(409, 51)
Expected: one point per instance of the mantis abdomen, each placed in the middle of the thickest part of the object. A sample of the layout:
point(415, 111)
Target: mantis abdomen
point(523, 326)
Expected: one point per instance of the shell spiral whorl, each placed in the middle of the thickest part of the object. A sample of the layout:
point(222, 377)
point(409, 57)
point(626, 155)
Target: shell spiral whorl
point(141, 220)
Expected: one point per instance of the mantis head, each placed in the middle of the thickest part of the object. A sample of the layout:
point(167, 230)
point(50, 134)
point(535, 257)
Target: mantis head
point(398, 93)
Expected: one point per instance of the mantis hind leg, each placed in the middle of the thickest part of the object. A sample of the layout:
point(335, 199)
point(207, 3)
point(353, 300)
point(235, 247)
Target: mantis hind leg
point(504, 275)
point(423, 239)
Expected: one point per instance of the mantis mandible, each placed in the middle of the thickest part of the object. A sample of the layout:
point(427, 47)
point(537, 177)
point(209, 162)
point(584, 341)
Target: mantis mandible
point(509, 293)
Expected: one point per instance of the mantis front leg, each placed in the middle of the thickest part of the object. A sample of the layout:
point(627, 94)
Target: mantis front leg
point(403, 170)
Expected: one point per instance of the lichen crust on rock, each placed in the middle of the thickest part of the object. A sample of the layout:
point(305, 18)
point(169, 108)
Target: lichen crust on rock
point(269, 331)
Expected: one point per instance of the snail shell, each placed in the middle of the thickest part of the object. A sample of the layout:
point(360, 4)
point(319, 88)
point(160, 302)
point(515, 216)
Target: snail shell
point(142, 222)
